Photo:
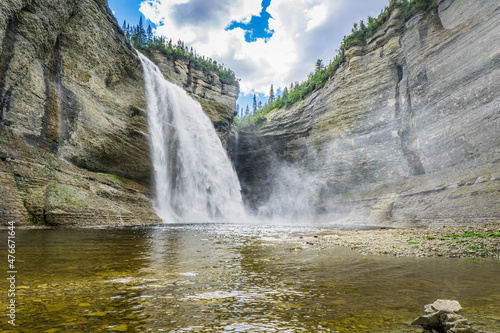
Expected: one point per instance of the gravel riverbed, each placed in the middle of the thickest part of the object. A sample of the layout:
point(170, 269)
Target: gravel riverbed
point(481, 240)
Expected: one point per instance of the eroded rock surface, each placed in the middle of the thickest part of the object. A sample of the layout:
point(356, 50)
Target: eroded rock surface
point(405, 133)
point(72, 110)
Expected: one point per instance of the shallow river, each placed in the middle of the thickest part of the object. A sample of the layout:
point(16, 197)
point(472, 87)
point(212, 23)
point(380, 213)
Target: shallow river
point(230, 278)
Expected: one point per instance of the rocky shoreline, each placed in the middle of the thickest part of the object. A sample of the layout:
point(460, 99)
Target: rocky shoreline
point(479, 240)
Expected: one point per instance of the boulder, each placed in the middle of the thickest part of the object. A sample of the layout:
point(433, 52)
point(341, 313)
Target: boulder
point(443, 305)
point(441, 316)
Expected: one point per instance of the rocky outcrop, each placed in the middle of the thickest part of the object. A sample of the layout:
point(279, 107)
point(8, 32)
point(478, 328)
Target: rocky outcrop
point(217, 98)
point(70, 83)
point(71, 106)
point(442, 317)
point(74, 143)
point(37, 188)
point(405, 133)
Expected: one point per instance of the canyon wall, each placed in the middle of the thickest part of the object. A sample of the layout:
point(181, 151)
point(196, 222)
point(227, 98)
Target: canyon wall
point(406, 132)
point(74, 143)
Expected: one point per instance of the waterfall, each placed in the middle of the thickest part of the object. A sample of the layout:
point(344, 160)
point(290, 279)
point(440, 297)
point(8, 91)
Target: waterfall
point(194, 178)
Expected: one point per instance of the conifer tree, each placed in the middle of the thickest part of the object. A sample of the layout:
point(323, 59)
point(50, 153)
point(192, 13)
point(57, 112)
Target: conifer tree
point(362, 27)
point(150, 33)
point(319, 65)
point(285, 93)
point(139, 34)
point(254, 103)
point(271, 95)
point(126, 30)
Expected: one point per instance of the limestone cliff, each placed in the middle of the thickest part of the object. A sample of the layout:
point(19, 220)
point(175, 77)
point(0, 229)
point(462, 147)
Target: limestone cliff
point(73, 128)
point(406, 132)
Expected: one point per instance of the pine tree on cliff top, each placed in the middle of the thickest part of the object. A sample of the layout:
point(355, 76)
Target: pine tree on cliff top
point(271, 95)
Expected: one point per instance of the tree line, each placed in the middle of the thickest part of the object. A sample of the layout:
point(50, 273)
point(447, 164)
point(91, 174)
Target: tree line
point(252, 119)
point(143, 39)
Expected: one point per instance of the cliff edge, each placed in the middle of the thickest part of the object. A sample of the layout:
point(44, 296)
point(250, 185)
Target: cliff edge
point(405, 133)
point(74, 146)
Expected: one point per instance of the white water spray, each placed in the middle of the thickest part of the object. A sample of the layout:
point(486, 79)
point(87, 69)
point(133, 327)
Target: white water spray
point(195, 180)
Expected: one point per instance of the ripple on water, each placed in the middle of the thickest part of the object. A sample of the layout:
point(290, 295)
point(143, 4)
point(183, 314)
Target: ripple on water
point(227, 278)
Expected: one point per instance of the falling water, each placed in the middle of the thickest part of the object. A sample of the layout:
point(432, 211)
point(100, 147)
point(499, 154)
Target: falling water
point(195, 180)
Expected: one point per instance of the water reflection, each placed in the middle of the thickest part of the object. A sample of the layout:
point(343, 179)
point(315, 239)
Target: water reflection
point(233, 278)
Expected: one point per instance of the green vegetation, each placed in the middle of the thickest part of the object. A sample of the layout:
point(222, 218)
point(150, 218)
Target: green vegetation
point(116, 178)
point(144, 40)
point(317, 79)
point(469, 234)
point(476, 247)
point(65, 196)
point(3, 140)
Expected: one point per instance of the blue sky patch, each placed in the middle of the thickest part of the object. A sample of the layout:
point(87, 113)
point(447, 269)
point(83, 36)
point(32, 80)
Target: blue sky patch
point(258, 27)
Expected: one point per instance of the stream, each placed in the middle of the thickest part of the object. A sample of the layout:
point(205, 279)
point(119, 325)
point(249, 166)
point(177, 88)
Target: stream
point(231, 278)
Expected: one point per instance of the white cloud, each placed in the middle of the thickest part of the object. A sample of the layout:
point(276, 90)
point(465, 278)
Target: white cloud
point(304, 30)
point(317, 16)
point(243, 10)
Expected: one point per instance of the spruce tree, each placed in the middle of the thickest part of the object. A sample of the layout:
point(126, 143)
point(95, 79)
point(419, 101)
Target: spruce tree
point(319, 65)
point(285, 93)
point(271, 95)
point(141, 33)
point(150, 33)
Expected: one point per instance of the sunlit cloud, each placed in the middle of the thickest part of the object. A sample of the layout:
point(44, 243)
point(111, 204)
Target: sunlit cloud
point(316, 15)
point(300, 31)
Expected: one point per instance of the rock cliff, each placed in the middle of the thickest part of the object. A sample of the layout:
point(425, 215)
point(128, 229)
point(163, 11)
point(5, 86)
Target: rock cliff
point(405, 133)
point(73, 128)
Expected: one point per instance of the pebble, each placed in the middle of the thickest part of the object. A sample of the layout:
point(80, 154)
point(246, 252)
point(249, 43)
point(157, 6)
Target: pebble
point(420, 242)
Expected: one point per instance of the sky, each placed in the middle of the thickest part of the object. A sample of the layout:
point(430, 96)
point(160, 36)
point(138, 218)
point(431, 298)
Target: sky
point(264, 42)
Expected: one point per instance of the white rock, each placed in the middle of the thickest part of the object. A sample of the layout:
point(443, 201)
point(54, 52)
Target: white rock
point(444, 305)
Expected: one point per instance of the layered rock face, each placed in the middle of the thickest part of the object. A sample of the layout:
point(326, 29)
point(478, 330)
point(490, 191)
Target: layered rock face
point(71, 109)
point(74, 143)
point(71, 84)
point(405, 133)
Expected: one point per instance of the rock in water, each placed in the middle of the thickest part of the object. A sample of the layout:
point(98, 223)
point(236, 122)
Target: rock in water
point(443, 305)
point(441, 316)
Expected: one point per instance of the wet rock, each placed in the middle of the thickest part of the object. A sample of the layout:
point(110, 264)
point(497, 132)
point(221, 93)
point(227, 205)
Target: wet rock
point(443, 305)
point(441, 317)
point(429, 321)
